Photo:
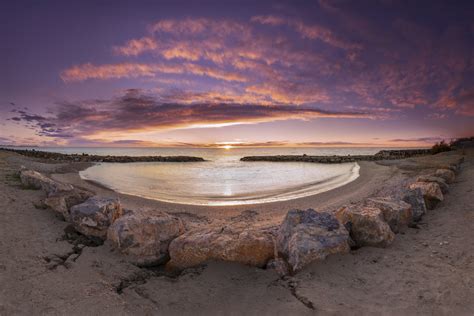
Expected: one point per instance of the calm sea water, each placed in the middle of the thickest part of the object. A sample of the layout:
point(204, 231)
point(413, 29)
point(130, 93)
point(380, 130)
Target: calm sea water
point(223, 179)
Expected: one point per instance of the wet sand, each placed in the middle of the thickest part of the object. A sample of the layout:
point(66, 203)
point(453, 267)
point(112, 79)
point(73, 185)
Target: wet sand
point(429, 270)
point(372, 177)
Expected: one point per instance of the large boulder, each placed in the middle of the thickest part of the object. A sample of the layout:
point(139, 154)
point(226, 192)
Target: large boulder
point(235, 243)
point(432, 178)
point(60, 197)
point(144, 236)
point(366, 225)
point(446, 174)
point(39, 181)
point(62, 201)
point(415, 198)
point(431, 193)
point(307, 236)
point(397, 214)
point(94, 216)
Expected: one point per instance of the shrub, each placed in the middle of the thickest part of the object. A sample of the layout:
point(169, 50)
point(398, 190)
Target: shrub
point(440, 147)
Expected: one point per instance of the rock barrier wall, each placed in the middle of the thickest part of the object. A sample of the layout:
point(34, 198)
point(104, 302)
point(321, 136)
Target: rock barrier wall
point(153, 237)
point(381, 155)
point(97, 158)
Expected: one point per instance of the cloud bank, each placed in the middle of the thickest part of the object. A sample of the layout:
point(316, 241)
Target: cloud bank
point(136, 111)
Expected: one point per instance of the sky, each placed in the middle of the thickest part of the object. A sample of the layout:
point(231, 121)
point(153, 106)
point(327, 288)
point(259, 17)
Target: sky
point(240, 73)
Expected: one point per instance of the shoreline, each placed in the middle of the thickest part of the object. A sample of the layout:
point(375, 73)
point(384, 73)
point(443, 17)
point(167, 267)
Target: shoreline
point(426, 270)
point(375, 178)
point(269, 196)
point(59, 157)
point(371, 177)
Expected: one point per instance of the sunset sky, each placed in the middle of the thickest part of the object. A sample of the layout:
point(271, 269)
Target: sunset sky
point(182, 73)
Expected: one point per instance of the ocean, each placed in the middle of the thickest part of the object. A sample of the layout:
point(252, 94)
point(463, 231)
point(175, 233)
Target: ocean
point(222, 179)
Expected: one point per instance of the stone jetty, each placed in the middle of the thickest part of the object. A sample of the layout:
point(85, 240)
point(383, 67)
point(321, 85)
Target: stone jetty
point(97, 158)
point(381, 155)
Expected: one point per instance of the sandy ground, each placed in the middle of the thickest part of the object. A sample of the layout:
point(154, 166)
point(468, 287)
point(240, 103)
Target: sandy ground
point(429, 270)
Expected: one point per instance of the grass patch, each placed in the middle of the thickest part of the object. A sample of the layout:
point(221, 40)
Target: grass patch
point(440, 147)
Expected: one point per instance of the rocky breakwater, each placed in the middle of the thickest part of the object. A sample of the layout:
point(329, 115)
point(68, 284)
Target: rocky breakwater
point(153, 237)
point(60, 197)
point(308, 236)
point(144, 236)
point(381, 155)
point(95, 215)
point(50, 156)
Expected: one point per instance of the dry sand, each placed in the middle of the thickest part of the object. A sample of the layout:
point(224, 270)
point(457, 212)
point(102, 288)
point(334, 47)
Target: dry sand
point(429, 270)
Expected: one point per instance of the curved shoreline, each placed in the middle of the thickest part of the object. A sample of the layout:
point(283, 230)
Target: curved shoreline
point(260, 197)
point(371, 177)
point(425, 270)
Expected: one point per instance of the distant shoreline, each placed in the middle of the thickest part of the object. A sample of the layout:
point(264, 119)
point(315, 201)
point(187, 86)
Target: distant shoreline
point(386, 154)
point(381, 155)
point(98, 158)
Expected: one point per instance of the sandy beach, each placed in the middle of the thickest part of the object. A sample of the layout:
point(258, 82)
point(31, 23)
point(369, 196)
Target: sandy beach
point(427, 270)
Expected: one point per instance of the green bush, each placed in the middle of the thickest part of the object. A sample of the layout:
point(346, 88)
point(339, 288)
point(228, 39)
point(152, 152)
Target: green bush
point(440, 147)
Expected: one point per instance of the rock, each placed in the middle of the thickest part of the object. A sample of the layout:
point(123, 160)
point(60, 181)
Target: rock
point(60, 196)
point(96, 158)
point(446, 174)
point(431, 193)
point(94, 216)
point(307, 236)
point(243, 244)
point(145, 236)
point(366, 225)
point(440, 181)
point(397, 214)
point(62, 201)
point(279, 265)
point(37, 180)
point(415, 198)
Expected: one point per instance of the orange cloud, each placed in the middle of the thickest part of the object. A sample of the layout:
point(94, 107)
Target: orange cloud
point(295, 94)
point(312, 32)
point(136, 112)
point(133, 70)
point(135, 47)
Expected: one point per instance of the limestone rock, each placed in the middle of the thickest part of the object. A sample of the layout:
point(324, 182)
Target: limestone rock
point(145, 236)
point(366, 225)
point(446, 174)
point(243, 244)
point(62, 201)
point(307, 236)
point(39, 181)
point(397, 214)
point(94, 216)
point(431, 193)
point(279, 265)
point(432, 178)
point(414, 197)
